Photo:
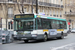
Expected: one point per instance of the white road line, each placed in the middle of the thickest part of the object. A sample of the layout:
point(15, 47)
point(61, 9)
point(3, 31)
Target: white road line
point(62, 46)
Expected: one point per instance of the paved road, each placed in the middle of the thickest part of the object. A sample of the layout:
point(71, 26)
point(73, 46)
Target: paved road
point(53, 44)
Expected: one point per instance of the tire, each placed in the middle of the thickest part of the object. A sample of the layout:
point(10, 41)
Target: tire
point(26, 41)
point(45, 38)
point(62, 37)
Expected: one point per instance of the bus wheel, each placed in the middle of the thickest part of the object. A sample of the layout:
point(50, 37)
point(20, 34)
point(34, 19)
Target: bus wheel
point(45, 38)
point(26, 41)
point(62, 37)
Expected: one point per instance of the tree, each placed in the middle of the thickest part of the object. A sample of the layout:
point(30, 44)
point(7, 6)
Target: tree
point(5, 11)
point(21, 6)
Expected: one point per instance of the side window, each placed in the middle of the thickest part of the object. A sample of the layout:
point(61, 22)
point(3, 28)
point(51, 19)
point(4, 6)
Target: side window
point(57, 22)
point(45, 24)
point(63, 25)
point(54, 24)
point(39, 24)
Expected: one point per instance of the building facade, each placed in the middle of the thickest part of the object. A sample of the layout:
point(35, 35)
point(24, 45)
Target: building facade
point(8, 8)
point(69, 12)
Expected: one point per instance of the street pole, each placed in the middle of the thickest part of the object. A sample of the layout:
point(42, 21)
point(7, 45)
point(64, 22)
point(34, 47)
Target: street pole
point(22, 7)
point(36, 6)
point(32, 6)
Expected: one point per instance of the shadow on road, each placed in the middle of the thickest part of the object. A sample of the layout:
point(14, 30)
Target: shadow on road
point(37, 41)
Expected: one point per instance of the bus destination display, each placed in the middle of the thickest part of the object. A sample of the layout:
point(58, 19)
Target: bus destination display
point(25, 16)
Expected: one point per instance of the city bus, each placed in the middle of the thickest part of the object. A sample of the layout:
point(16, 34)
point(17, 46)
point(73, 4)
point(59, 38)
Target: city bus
point(39, 27)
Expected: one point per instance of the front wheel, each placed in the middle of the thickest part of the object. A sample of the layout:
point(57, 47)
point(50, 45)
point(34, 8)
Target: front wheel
point(62, 37)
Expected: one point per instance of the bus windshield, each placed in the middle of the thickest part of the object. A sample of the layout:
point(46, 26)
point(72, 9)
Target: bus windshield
point(23, 25)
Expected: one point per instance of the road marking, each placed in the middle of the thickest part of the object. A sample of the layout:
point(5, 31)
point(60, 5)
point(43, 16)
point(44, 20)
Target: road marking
point(62, 46)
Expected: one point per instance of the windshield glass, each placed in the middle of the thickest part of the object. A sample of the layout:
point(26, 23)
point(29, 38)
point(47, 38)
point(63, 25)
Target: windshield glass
point(22, 25)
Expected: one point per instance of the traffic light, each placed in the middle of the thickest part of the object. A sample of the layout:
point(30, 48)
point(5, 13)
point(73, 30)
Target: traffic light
point(11, 22)
point(68, 23)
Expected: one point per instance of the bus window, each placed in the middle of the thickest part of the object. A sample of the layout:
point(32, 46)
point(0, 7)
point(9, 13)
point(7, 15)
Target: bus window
point(62, 25)
point(39, 24)
point(55, 24)
point(46, 24)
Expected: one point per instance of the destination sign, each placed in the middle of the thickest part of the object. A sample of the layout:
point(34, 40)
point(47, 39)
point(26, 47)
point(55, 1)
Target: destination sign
point(24, 16)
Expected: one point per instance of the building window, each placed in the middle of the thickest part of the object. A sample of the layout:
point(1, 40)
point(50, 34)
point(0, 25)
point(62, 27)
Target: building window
point(43, 10)
point(60, 14)
point(10, 12)
point(50, 13)
point(57, 13)
point(61, 2)
point(54, 14)
point(25, 10)
point(70, 11)
point(38, 10)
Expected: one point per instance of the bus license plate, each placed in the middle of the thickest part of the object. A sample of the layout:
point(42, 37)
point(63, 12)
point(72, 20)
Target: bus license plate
point(24, 38)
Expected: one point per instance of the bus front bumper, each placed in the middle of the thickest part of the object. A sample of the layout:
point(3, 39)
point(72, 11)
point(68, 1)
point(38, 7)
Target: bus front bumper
point(29, 37)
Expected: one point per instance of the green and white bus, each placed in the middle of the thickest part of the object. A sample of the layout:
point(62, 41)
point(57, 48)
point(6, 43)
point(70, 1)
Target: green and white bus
point(39, 27)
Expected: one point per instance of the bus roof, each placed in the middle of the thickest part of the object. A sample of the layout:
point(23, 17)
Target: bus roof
point(49, 17)
point(43, 16)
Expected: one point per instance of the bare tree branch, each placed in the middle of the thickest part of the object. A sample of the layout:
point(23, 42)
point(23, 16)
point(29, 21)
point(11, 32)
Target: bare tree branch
point(19, 8)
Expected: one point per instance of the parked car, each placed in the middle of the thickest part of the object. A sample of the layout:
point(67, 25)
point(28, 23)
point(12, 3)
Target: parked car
point(73, 30)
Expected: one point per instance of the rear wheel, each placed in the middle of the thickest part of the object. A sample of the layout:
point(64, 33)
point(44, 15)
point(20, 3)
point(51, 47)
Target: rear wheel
point(26, 41)
point(61, 37)
point(45, 38)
